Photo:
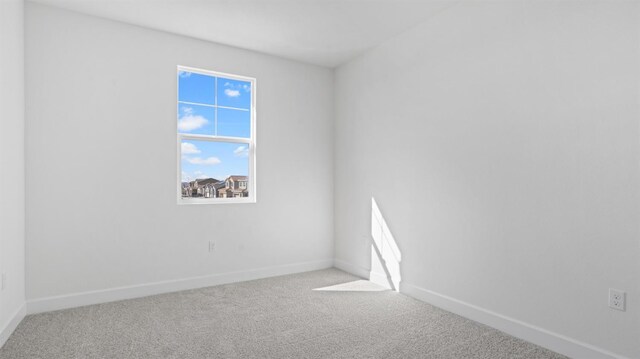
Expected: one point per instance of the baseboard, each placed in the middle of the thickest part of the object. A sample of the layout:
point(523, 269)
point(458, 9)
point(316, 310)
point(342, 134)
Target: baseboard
point(545, 338)
point(8, 329)
point(380, 279)
point(557, 342)
point(351, 268)
point(362, 272)
point(143, 290)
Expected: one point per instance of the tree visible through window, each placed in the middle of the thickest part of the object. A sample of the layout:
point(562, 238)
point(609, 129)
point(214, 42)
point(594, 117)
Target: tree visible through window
point(216, 137)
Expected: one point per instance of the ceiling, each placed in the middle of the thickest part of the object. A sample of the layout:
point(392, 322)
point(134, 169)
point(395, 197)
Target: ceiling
point(321, 32)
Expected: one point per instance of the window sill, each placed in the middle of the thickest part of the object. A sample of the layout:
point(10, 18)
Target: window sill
point(187, 201)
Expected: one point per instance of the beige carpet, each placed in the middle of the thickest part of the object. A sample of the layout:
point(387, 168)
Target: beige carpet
point(282, 317)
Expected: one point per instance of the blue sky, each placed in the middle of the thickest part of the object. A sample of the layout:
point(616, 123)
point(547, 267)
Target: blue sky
point(194, 87)
point(207, 159)
point(196, 119)
point(234, 93)
point(234, 123)
point(219, 160)
point(199, 119)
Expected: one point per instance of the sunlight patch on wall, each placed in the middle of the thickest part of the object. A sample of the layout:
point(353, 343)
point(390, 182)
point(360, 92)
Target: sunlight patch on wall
point(385, 254)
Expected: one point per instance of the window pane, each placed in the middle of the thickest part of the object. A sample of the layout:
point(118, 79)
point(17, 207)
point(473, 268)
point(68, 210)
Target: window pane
point(196, 119)
point(214, 169)
point(234, 123)
point(193, 87)
point(234, 93)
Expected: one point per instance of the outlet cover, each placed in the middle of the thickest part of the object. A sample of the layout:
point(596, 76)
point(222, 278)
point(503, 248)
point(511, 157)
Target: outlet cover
point(617, 299)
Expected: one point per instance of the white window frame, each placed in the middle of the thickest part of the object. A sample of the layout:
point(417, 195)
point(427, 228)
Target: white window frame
point(251, 142)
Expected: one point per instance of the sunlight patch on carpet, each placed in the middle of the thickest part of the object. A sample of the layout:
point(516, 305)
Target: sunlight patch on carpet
point(355, 286)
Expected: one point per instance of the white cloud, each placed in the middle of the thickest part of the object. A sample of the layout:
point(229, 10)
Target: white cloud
point(241, 151)
point(204, 161)
point(185, 177)
point(232, 90)
point(231, 93)
point(189, 148)
point(191, 122)
point(200, 175)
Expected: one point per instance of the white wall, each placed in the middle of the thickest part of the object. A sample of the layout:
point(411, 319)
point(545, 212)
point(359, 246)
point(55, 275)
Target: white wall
point(101, 161)
point(11, 164)
point(501, 143)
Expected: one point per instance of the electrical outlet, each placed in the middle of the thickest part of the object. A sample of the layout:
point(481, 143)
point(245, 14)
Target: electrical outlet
point(3, 279)
point(212, 246)
point(617, 299)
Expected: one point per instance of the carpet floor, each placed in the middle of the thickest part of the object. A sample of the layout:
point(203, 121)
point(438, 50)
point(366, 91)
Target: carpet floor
point(320, 314)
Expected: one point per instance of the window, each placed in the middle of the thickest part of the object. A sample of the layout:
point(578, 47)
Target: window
point(216, 137)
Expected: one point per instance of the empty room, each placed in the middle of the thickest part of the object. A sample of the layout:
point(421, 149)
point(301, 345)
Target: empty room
point(440, 179)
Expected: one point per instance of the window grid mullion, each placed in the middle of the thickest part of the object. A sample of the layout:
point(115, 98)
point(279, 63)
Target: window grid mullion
point(197, 137)
point(213, 106)
point(196, 104)
point(215, 110)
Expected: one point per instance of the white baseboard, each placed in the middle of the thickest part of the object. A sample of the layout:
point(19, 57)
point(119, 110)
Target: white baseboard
point(143, 290)
point(545, 338)
point(557, 342)
point(378, 278)
point(8, 329)
point(351, 268)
